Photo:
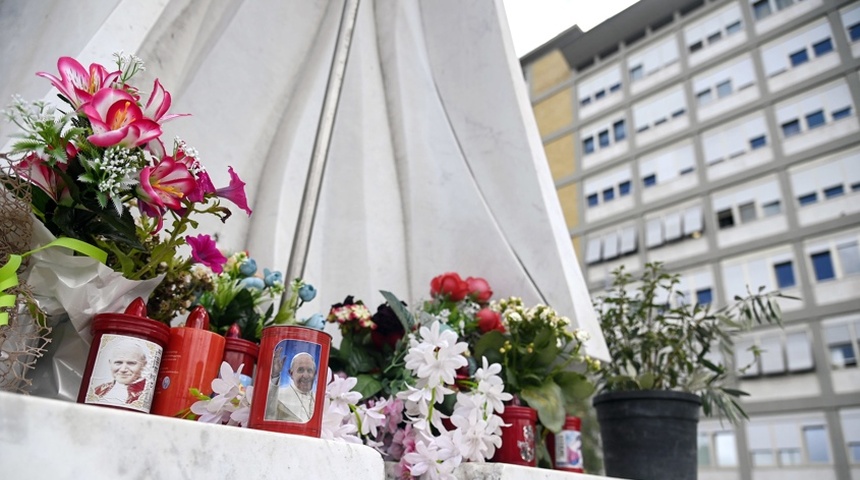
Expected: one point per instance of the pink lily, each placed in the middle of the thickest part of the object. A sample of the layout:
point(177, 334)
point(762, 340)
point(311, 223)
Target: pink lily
point(235, 192)
point(205, 251)
point(76, 83)
point(117, 120)
point(204, 182)
point(158, 104)
point(165, 185)
point(35, 170)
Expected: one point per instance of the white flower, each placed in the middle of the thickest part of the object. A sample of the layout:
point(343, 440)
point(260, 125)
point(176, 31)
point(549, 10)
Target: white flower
point(231, 403)
point(339, 392)
point(436, 459)
point(371, 418)
point(476, 438)
point(436, 358)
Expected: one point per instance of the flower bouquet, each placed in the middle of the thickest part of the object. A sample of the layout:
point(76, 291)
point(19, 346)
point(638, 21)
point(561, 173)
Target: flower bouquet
point(97, 170)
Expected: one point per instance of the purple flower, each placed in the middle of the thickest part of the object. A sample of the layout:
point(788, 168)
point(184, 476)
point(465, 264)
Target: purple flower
point(204, 250)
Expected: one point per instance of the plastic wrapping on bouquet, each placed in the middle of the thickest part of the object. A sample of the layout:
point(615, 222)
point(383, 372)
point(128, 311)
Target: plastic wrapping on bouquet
point(124, 359)
point(192, 360)
point(518, 439)
point(565, 447)
point(290, 382)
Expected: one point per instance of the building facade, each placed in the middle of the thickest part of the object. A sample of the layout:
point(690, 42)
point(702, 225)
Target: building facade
point(722, 138)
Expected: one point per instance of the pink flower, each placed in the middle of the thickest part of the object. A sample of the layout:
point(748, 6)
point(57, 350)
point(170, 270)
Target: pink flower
point(117, 120)
point(479, 289)
point(39, 173)
point(76, 83)
point(204, 250)
point(235, 192)
point(166, 184)
point(158, 104)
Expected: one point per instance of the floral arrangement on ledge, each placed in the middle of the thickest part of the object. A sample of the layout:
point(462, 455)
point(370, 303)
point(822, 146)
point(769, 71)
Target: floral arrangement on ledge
point(100, 172)
point(240, 295)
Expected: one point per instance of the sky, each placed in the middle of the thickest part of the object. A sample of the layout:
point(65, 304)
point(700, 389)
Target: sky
point(534, 22)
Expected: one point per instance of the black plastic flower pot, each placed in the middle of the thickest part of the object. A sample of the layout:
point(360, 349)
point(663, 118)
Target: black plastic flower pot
point(649, 435)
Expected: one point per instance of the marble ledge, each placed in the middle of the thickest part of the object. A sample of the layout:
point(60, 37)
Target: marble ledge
point(57, 440)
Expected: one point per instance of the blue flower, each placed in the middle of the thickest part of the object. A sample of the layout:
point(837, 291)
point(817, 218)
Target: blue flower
point(248, 267)
point(307, 292)
point(316, 321)
point(252, 283)
point(273, 278)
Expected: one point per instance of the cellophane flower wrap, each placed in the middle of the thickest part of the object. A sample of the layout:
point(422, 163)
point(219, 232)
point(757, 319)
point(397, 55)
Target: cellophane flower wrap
point(98, 170)
point(101, 172)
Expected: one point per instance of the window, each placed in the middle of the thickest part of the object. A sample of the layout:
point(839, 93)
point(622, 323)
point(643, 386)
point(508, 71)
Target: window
point(636, 73)
point(603, 138)
point(600, 94)
point(725, 219)
point(798, 58)
point(649, 181)
point(790, 128)
point(608, 194)
point(841, 113)
point(585, 101)
point(724, 89)
point(624, 188)
point(704, 97)
point(780, 4)
point(771, 208)
point(761, 9)
point(840, 343)
point(807, 199)
point(588, 145)
point(615, 88)
point(854, 32)
point(816, 444)
point(715, 37)
point(834, 191)
point(815, 119)
point(798, 351)
point(758, 142)
point(823, 266)
point(695, 47)
point(784, 272)
point(704, 296)
point(592, 200)
point(747, 212)
point(703, 447)
point(822, 47)
point(734, 27)
point(849, 257)
point(726, 449)
point(620, 131)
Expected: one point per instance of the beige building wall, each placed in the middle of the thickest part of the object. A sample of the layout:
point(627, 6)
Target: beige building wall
point(548, 71)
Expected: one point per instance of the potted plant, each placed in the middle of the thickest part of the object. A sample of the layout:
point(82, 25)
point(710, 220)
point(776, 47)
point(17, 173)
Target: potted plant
point(542, 364)
point(667, 360)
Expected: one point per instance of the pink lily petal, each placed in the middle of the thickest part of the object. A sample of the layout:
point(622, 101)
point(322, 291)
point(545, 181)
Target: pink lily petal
point(235, 192)
point(166, 184)
point(158, 104)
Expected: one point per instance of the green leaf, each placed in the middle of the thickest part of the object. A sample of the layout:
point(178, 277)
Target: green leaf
point(368, 385)
point(488, 346)
point(548, 400)
point(402, 313)
point(574, 386)
point(646, 380)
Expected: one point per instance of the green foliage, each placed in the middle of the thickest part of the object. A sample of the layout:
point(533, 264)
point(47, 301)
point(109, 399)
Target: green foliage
point(658, 341)
point(540, 356)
